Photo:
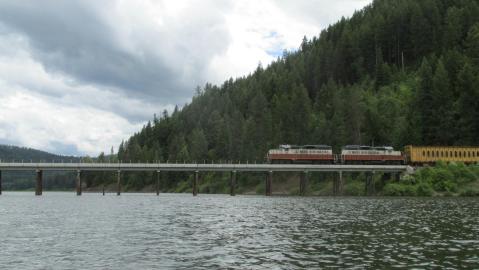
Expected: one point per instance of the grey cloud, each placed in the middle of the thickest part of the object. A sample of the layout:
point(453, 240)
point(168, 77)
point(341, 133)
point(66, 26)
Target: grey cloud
point(74, 38)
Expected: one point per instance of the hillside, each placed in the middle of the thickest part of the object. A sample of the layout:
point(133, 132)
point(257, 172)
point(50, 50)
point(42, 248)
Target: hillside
point(14, 153)
point(26, 180)
point(397, 72)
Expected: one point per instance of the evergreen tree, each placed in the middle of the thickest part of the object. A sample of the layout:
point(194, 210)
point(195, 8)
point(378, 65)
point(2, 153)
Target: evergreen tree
point(443, 104)
point(198, 145)
point(425, 103)
point(469, 105)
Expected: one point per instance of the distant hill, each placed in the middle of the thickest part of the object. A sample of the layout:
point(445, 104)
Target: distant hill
point(26, 180)
point(15, 153)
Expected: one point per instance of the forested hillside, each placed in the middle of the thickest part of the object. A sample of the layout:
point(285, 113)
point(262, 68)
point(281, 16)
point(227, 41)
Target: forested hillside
point(26, 180)
point(9, 153)
point(397, 72)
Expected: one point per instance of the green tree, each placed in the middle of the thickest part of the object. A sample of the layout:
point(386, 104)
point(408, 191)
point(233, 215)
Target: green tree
point(468, 105)
point(198, 145)
point(443, 104)
point(425, 103)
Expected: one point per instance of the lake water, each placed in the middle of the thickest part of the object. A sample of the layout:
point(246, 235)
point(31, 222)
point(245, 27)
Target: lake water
point(178, 231)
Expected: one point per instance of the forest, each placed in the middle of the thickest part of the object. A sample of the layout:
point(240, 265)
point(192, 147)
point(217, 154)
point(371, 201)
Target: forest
point(12, 180)
point(397, 72)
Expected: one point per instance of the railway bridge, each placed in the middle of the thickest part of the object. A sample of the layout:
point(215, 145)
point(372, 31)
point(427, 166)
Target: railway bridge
point(267, 169)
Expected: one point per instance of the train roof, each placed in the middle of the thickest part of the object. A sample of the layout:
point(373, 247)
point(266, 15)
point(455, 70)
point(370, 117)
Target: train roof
point(309, 146)
point(319, 146)
point(366, 147)
point(442, 146)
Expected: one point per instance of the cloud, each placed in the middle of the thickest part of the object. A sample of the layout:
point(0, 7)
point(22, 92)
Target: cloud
point(85, 74)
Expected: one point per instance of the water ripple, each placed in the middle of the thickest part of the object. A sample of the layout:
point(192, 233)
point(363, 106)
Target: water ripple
point(177, 231)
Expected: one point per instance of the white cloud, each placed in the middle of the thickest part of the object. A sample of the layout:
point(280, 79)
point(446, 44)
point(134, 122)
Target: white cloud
point(262, 30)
point(33, 121)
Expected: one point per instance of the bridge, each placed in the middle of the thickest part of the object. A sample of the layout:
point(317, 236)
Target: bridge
point(268, 169)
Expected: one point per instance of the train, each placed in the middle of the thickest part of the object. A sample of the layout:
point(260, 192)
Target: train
point(372, 155)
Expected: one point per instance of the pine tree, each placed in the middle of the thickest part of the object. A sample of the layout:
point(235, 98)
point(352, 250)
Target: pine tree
point(198, 145)
point(472, 44)
point(443, 104)
point(469, 105)
point(425, 103)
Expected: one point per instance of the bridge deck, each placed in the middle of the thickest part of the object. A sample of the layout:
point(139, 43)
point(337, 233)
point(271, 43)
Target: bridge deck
point(198, 167)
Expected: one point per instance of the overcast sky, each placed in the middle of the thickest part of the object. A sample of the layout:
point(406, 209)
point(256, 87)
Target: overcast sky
point(79, 76)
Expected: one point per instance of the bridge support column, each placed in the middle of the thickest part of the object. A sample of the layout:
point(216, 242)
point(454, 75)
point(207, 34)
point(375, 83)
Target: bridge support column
point(195, 183)
point(0, 182)
point(370, 187)
point(303, 180)
point(338, 184)
point(385, 177)
point(158, 183)
point(39, 186)
point(269, 184)
point(103, 190)
point(78, 182)
point(118, 184)
point(233, 183)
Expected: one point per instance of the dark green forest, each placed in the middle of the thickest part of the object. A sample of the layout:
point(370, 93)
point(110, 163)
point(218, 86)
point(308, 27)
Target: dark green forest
point(10, 153)
point(26, 180)
point(397, 72)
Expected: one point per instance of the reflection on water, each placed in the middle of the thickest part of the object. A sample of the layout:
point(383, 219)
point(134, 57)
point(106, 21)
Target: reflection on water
point(138, 231)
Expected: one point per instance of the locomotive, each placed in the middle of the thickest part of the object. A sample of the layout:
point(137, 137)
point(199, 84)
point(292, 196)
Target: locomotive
point(313, 154)
point(356, 154)
point(323, 154)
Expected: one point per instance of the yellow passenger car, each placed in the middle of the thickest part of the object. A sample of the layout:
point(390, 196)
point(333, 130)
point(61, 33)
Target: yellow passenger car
point(431, 154)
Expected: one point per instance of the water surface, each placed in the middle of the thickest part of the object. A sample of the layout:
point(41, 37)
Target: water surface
point(178, 231)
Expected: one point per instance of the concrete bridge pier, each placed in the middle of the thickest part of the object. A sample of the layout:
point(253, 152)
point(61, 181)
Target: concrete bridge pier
point(158, 183)
point(233, 183)
point(370, 187)
point(39, 186)
point(338, 184)
point(78, 183)
point(303, 181)
point(0, 182)
point(195, 183)
point(269, 184)
point(118, 184)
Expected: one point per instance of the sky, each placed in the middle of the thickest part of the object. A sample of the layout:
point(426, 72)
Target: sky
point(79, 76)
